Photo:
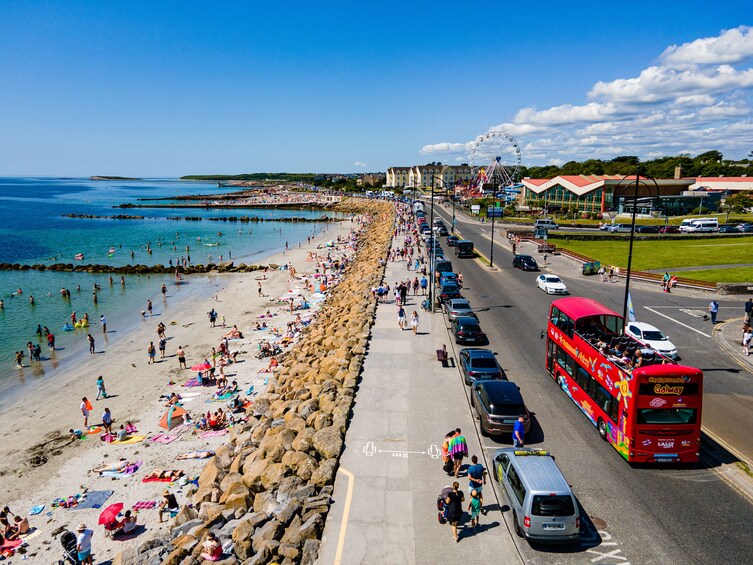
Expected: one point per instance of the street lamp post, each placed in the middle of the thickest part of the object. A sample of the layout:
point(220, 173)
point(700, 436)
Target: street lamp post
point(431, 249)
point(453, 210)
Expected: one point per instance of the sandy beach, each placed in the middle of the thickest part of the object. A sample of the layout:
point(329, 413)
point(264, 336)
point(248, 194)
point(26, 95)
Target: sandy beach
point(35, 429)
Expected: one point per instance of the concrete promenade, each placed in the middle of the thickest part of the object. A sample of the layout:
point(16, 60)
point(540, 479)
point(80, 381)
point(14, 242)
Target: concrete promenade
point(390, 475)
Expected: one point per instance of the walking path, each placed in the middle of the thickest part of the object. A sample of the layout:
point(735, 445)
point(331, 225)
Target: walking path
point(701, 268)
point(390, 475)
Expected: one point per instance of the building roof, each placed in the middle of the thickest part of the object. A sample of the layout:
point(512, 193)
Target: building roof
point(583, 184)
point(722, 183)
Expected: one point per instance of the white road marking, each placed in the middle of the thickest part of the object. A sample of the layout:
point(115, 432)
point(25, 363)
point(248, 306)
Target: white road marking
point(694, 313)
point(676, 321)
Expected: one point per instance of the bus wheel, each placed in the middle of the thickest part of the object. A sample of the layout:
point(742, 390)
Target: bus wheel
point(601, 425)
point(518, 529)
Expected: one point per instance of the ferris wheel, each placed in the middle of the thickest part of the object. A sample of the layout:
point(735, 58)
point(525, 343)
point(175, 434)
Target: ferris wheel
point(495, 161)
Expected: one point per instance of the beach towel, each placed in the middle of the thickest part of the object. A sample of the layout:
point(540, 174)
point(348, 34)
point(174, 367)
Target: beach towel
point(36, 510)
point(127, 472)
point(94, 499)
point(145, 505)
point(223, 397)
point(170, 479)
point(182, 428)
point(93, 430)
point(192, 382)
point(31, 534)
point(163, 438)
point(132, 439)
point(5, 545)
point(69, 502)
point(213, 433)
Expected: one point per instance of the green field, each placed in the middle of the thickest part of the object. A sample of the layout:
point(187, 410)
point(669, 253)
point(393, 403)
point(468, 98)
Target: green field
point(670, 254)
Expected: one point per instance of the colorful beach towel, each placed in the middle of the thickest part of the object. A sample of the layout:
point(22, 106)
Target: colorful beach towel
point(5, 545)
point(145, 505)
point(132, 439)
point(163, 438)
point(173, 476)
point(127, 472)
point(36, 510)
point(94, 499)
point(213, 433)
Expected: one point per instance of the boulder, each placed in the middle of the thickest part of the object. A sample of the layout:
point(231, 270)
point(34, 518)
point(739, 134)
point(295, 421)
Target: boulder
point(328, 442)
point(252, 473)
point(211, 475)
point(242, 535)
point(304, 441)
point(310, 551)
point(187, 526)
point(272, 530)
point(292, 533)
point(288, 550)
point(302, 464)
point(237, 501)
point(287, 511)
point(325, 473)
point(186, 514)
point(272, 475)
point(209, 511)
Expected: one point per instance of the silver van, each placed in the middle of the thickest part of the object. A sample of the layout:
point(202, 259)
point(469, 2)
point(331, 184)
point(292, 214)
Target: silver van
point(544, 509)
point(546, 223)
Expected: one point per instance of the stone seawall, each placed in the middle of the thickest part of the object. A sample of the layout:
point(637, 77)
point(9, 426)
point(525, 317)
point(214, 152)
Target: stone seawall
point(268, 488)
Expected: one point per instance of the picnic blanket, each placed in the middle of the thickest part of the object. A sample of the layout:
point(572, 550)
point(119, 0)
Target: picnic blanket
point(94, 499)
point(145, 505)
point(163, 438)
point(213, 433)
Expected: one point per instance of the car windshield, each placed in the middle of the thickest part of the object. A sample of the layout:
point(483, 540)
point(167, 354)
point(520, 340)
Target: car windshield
point(507, 409)
point(654, 335)
point(461, 306)
point(483, 363)
point(561, 505)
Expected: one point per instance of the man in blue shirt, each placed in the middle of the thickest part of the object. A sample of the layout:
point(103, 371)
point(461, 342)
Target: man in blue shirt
point(476, 478)
point(518, 432)
point(713, 310)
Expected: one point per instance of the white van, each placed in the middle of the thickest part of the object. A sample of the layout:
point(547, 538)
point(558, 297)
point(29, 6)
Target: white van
point(547, 224)
point(700, 225)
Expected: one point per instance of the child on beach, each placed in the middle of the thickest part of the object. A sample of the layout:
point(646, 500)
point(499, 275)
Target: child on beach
point(101, 388)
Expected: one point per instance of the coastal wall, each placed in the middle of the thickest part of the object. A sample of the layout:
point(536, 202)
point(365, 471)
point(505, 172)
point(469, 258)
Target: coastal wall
point(269, 488)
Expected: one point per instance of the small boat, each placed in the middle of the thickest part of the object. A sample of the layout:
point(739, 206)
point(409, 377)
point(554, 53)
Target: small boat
point(79, 257)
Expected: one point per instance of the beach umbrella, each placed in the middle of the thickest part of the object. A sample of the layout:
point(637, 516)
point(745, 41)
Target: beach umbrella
point(201, 367)
point(110, 514)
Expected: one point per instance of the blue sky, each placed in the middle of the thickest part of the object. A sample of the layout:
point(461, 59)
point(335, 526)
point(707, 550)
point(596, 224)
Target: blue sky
point(173, 88)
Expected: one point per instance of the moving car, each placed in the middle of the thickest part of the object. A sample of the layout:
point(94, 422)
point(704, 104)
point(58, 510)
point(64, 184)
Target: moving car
point(619, 228)
point(442, 230)
point(457, 308)
point(551, 284)
point(452, 240)
point(449, 291)
point(729, 228)
point(646, 229)
point(544, 509)
point(467, 330)
point(525, 262)
point(546, 223)
point(479, 364)
point(746, 228)
point(498, 404)
point(669, 229)
point(652, 337)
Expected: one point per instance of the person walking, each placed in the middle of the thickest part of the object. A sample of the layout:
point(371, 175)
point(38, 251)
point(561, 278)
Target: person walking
point(414, 322)
point(519, 432)
point(149, 307)
point(85, 408)
point(748, 310)
point(151, 352)
point(747, 336)
point(103, 321)
point(91, 343)
point(476, 479)
point(101, 388)
point(162, 346)
point(181, 357)
point(458, 450)
point(474, 508)
point(84, 544)
point(107, 420)
point(401, 317)
point(713, 310)
point(454, 514)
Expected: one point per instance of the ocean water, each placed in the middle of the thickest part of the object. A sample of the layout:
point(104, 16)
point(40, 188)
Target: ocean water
point(33, 229)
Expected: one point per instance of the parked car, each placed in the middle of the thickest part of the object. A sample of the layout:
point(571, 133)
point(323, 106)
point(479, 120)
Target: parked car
point(652, 337)
point(525, 262)
point(646, 229)
point(619, 228)
point(449, 291)
point(457, 308)
point(669, 229)
point(551, 284)
point(466, 329)
point(729, 228)
point(452, 240)
point(498, 404)
point(448, 277)
point(479, 364)
point(441, 230)
point(745, 228)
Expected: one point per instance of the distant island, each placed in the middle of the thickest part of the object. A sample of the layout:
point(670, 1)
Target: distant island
point(103, 177)
point(289, 177)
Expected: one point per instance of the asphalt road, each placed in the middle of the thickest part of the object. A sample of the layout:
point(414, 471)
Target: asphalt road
point(637, 514)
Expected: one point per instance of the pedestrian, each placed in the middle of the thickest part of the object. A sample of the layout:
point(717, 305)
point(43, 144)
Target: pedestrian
point(454, 512)
point(19, 359)
point(91, 343)
point(713, 310)
point(748, 310)
point(602, 272)
point(164, 290)
point(424, 284)
point(103, 321)
point(260, 290)
point(611, 274)
point(401, 317)
point(151, 352)
point(181, 357)
point(84, 544)
point(149, 307)
point(474, 507)
point(665, 282)
point(85, 408)
point(747, 336)
point(414, 322)
point(545, 259)
point(107, 420)
point(477, 478)
point(519, 432)
point(101, 388)
point(51, 341)
point(162, 346)
point(458, 450)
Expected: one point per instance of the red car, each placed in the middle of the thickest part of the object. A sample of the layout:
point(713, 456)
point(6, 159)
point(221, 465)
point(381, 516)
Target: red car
point(669, 229)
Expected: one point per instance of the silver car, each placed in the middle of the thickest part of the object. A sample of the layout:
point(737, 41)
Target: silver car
point(459, 307)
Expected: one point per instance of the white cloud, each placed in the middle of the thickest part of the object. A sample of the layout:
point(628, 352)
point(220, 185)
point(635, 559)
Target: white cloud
point(731, 46)
point(697, 98)
point(360, 164)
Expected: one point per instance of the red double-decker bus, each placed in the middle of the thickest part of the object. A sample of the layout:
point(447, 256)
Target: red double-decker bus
point(648, 409)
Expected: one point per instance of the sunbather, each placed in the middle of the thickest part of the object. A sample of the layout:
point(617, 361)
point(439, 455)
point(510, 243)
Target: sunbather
point(160, 474)
point(117, 466)
point(199, 454)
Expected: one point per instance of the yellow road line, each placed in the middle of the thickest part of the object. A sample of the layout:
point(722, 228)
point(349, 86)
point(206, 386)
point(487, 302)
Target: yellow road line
point(346, 513)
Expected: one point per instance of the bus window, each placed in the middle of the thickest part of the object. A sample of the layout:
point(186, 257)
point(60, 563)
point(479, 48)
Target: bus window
point(604, 400)
point(667, 416)
point(582, 378)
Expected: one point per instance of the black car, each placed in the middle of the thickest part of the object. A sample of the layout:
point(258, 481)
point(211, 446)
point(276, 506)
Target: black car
point(441, 230)
point(729, 228)
point(452, 240)
point(745, 228)
point(498, 405)
point(646, 229)
point(479, 364)
point(467, 330)
point(525, 262)
point(449, 291)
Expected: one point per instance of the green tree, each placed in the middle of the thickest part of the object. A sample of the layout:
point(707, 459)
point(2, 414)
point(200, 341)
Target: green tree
point(739, 202)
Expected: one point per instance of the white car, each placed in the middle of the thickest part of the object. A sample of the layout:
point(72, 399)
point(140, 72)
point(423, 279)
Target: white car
point(652, 337)
point(551, 284)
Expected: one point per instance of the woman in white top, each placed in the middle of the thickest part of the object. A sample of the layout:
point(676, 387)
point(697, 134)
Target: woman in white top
point(414, 322)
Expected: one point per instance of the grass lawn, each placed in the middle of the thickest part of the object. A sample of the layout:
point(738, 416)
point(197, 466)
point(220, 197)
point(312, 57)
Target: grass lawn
point(669, 254)
point(733, 275)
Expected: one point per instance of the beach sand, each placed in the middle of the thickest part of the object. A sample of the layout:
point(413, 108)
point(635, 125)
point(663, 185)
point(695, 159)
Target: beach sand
point(37, 426)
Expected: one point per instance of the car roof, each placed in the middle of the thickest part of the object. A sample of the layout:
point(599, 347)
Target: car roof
point(502, 392)
point(538, 470)
point(472, 352)
point(466, 321)
point(457, 301)
point(519, 256)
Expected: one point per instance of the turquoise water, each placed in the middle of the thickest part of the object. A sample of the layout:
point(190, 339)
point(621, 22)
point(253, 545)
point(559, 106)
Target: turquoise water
point(33, 230)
